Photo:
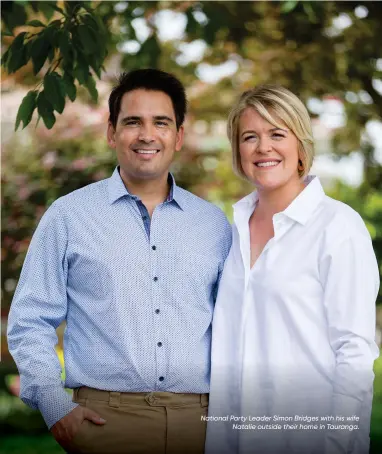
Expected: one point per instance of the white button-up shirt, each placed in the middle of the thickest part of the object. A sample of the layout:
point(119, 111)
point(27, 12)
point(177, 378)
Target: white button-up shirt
point(294, 335)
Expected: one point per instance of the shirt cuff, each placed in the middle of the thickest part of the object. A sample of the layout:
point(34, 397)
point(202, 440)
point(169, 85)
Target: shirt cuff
point(54, 404)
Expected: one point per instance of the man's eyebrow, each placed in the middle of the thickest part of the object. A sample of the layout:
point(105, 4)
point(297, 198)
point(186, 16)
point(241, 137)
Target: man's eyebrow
point(164, 117)
point(129, 118)
point(137, 118)
point(271, 130)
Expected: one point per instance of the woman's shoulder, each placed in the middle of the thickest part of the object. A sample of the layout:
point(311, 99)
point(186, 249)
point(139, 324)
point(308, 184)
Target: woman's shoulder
point(342, 221)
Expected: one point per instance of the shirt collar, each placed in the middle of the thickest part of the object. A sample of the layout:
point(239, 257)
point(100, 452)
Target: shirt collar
point(302, 206)
point(117, 189)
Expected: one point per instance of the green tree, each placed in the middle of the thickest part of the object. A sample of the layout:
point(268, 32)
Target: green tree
point(314, 48)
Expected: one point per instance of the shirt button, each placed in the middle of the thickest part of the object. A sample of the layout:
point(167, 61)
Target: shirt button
point(144, 218)
point(161, 378)
point(159, 344)
point(157, 311)
point(153, 248)
point(155, 279)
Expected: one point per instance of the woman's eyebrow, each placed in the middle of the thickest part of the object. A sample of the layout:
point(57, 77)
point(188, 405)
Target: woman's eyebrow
point(270, 130)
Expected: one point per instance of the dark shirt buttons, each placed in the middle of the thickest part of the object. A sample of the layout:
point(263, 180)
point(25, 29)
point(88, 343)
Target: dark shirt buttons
point(153, 248)
point(155, 279)
point(161, 378)
point(159, 344)
point(144, 218)
point(157, 311)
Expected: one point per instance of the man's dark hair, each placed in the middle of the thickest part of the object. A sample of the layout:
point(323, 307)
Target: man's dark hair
point(149, 79)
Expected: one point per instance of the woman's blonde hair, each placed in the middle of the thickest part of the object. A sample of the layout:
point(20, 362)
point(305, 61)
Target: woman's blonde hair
point(274, 103)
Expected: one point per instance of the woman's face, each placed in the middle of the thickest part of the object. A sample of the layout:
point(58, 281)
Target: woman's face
point(269, 155)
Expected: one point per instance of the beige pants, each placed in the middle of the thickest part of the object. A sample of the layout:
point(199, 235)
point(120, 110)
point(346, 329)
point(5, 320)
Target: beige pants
point(142, 423)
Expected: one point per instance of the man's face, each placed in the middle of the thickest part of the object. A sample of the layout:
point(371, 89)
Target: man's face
point(145, 137)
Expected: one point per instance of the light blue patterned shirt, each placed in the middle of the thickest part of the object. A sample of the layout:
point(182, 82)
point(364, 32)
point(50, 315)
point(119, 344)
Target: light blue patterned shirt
point(138, 302)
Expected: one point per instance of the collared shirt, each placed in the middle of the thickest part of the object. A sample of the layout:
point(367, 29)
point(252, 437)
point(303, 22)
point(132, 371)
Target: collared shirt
point(294, 334)
point(138, 307)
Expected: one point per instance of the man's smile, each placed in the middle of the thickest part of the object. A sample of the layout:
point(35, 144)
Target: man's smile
point(144, 151)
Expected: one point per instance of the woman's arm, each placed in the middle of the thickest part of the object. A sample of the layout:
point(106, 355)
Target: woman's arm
point(350, 277)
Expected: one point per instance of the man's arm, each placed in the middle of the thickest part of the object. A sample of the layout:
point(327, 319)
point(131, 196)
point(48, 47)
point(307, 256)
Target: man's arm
point(225, 246)
point(39, 306)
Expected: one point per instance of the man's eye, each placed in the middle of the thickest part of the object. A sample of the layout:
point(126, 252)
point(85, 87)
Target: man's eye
point(161, 123)
point(131, 122)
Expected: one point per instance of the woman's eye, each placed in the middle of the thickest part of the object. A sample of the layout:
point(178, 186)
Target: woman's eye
point(246, 138)
point(278, 136)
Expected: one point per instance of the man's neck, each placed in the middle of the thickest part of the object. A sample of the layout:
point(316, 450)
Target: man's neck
point(150, 192)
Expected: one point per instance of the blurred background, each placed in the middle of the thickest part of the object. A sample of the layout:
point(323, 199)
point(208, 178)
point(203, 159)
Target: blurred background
point(328, 53)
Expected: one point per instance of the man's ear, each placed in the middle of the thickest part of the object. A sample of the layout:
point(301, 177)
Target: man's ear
point(179, 138)
point(111, 135)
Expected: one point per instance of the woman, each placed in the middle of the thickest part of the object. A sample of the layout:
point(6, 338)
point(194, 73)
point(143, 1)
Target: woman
point(293, 332)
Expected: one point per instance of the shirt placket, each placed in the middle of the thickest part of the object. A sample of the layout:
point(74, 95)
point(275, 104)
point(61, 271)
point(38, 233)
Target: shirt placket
point(145, 217)
point(159, 343)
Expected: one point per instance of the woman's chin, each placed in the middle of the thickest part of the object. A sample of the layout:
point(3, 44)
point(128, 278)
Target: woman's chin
point(267, 183)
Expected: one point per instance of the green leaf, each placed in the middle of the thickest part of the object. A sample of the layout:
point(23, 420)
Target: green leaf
point(56, 8)
point(90, 22)
point(70, 88)
point(289, 6)
point(88, 39)
point(81, 71)
point(51, 55)
point(45, 109)
point(73, 6)
point(310, 12)
point(35, 23)
point(18, 57)
point(39, 53)
point(6, 57)
point(94, 64)
point(18, 42)
point(91, 86)
point(46, 9)
point(26, 109)
point(64, 43)
point(13, 14)
point(55, 91)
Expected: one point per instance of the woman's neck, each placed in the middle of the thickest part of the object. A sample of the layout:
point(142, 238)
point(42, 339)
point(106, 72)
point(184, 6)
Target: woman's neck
point(274, 201)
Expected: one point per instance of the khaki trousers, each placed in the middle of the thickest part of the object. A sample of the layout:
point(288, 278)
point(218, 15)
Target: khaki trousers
point(141, 423)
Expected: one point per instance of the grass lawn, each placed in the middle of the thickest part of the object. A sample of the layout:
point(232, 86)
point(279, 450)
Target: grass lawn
point(45, 444)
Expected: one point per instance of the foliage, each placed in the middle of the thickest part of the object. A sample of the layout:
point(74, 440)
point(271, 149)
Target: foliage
point(73, 45)
point(314, 48)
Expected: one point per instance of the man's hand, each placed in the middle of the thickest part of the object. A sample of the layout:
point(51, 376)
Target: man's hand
point(66, 428)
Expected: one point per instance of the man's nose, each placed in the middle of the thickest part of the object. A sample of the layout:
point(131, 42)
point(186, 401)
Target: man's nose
point(146, 133)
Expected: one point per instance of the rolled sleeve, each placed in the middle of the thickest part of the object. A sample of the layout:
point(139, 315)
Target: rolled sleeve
point(38, 308)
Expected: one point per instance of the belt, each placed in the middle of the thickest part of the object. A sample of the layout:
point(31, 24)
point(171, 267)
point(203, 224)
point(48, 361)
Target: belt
point(155, 398)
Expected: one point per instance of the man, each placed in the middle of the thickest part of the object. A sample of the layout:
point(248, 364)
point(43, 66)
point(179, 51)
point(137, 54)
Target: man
point(132, 264)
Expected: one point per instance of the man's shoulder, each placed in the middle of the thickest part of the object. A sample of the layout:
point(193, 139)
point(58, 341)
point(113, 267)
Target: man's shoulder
point(90, 193)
